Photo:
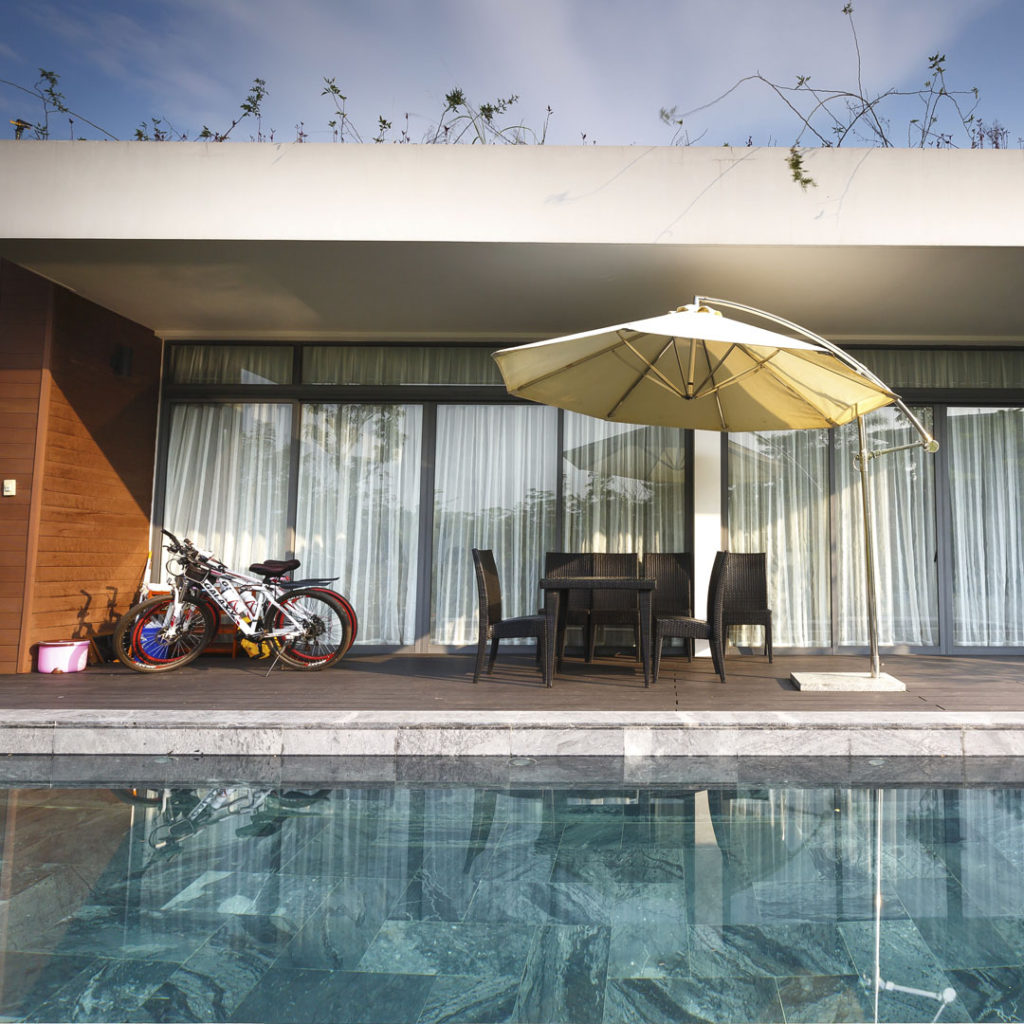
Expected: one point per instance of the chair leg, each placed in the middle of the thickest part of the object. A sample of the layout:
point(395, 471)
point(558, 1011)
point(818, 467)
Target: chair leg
point(542, 647)
point(718, 656)
point(494, 655)
point(768, 637)
point(481, 654)
point(659, 642)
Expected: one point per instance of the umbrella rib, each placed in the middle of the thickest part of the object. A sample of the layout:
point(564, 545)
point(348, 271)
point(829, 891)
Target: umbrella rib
point(711, 376)
point(611, 346)
point(699, 391)
point(650, 368)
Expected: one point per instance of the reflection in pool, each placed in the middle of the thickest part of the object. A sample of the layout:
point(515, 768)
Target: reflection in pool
point(411, 903)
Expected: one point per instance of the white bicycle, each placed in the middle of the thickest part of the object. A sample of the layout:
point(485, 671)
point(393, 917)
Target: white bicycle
point(304, 623)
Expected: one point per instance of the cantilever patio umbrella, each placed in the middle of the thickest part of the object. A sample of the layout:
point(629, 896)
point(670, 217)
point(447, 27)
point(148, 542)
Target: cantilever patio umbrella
point(697, 369)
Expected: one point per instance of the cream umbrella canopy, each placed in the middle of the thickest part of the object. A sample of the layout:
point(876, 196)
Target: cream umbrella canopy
point(697, 369)
point(694, 368)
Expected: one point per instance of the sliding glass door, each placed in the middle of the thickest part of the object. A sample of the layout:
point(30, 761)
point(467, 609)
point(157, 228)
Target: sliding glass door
point(357, 514)
point(950, 590)
point(903, 515)
point(494, 487)
point(778, 486)
point(227, 478)
point(624, 487)
point(986, 485)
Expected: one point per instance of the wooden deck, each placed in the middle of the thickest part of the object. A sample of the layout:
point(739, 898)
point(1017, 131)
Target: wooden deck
point(437, 683)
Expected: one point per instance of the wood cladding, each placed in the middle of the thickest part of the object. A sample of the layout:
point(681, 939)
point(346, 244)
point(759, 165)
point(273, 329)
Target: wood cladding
point(80, 440)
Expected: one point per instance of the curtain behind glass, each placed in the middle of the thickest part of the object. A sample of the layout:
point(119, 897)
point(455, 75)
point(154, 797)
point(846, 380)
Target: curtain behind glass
point(946, 368)
point(231, 364)
point(227, 479)
point(779, 504)
point(624, 487)
point(398, 364)
point(358, 511)
point(494, 488)
point(903, 516)
point(986, 481)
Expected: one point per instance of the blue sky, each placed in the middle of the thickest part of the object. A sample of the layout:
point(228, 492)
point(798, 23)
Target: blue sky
point(605, 67)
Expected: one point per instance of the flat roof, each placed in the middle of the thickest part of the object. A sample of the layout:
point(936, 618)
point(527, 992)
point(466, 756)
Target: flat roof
point(389, 242)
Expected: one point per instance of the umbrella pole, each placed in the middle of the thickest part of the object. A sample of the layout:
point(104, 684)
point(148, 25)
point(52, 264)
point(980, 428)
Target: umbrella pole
point(863, 459)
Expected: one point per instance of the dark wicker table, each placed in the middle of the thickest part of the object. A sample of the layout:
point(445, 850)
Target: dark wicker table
point(554, 609)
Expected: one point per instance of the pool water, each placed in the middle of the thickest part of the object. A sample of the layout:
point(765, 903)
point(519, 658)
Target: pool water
point(461, 903)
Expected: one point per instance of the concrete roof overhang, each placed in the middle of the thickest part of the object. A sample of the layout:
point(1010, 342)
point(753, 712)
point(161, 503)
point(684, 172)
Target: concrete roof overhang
point(320, 242)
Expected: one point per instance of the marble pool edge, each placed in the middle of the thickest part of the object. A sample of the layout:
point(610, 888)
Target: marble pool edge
point(511, 734)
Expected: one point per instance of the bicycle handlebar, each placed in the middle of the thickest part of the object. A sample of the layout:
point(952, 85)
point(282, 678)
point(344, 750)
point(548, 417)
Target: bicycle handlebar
point(175, 546)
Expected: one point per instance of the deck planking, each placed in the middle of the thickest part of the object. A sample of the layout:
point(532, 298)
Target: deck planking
point(438, 682)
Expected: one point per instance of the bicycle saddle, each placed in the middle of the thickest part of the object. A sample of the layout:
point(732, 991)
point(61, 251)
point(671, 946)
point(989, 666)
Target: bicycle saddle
point(272, 567)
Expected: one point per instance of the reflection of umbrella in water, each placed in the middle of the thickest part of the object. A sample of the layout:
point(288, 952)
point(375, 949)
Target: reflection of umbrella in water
point(634, 455)
point(697, 369)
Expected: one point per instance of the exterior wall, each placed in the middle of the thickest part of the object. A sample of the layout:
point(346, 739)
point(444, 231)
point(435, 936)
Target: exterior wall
point(77, 535)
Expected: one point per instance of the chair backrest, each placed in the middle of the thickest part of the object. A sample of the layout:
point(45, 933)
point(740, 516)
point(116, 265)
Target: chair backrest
point(561, 564)
point(745, 587)
point(488, 586)
point(608, 563)
point(716, 593)
point(672, 572)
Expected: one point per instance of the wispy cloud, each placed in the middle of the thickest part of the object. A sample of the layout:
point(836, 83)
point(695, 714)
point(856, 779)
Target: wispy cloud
point(606, 67)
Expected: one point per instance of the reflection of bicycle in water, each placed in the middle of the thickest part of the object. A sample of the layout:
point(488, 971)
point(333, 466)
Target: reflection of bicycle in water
point(184, 813)
point(302, 622)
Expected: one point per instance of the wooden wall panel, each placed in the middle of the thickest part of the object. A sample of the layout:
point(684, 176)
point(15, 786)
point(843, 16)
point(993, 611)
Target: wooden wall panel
point(80, 440)
point(93, 531)
point(24, 312)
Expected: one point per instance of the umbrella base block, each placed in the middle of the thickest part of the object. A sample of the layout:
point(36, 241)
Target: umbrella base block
point(840, 682)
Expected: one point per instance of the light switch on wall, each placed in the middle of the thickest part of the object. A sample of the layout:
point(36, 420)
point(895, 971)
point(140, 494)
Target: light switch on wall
point(10, 488)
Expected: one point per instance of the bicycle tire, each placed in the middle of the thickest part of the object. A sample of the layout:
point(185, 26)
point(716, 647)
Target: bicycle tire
point(138, 642)
point(346, 607)
point(328, 629)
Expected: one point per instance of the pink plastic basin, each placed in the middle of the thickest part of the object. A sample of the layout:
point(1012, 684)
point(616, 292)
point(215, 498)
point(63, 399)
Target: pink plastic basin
point(63, 656)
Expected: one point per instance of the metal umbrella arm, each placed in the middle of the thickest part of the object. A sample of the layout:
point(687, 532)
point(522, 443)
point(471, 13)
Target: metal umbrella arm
point(927, 442)
point(861, 459)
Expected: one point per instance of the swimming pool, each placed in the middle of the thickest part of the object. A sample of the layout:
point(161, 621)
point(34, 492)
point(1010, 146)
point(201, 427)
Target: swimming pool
point(514, 902)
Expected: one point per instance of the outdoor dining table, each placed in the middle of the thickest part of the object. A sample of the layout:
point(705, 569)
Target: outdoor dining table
point(555, 610)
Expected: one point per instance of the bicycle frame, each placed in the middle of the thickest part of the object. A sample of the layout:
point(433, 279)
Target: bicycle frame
point(244, 598)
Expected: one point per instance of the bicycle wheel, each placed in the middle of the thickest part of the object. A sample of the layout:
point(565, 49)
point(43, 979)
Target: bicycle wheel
point(346, 607)
point(145, 638)
point(326, 628)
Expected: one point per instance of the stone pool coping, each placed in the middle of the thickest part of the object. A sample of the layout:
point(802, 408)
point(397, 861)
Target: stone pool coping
point(512, 734)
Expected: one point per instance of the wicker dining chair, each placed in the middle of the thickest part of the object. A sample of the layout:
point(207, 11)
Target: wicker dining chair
point(672, 572)
point(745, 597)
point(614, 607)
point(493, 626)
point(688, 628)
point(563, 564)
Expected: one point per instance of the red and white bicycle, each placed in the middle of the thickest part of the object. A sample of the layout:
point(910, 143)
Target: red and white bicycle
point(303, 623)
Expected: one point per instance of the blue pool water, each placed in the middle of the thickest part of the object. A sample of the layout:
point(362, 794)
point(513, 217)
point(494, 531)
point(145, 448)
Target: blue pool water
point(548, 903)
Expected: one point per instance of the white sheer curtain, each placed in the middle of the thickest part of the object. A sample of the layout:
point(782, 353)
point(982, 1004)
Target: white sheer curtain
point(779, 504)
point(358, 511)
point(624, 487)
point(231, 364)
point(986, 479)
point(946, 368)
point(903, 515)
point(398, 364)
point(494, 488)
point(227, 479)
